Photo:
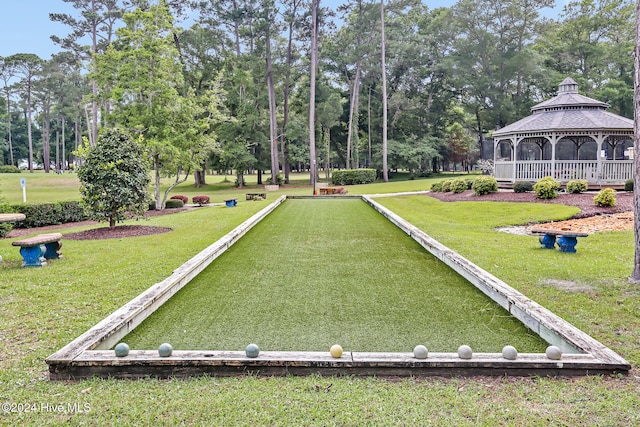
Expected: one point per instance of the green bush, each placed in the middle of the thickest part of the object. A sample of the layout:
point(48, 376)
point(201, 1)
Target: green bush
point(43, 214)
point(279, 180)
point(446, 185)
point(436, 187)
point(484, 185)
point(522, 186)
point(5, 228)
point(577, 186)
point(173, 204)
point(469, 182)
point(546, 188)
point(458, 185)
point(184, 199)
point(605, 198)
point(628, 185)
point(9, 169)
point(353, 176)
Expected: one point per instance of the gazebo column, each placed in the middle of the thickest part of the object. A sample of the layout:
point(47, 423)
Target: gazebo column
point(599, 141)
point(553, 139)
point(514, 146)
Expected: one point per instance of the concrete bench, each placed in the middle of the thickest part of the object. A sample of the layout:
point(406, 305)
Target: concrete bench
point(566, 239)
point(231, 202)
point(36, 250)
point(256, 196)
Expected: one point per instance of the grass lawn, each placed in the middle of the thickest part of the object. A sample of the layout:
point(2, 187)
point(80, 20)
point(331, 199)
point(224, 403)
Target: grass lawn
point(43, 309)
point(343, 274)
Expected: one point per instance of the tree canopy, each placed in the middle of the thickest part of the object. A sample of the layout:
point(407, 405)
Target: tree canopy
point(231, 90)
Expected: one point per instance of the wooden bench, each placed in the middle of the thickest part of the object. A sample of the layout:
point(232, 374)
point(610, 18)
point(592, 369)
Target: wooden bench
point(231, 202)
point(36, 250)
point(566, 239)
point(327, 190)
point(256, 196)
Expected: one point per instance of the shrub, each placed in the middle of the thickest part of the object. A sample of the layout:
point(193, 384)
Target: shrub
point(484, 185)
point(353, 176)
point(114, 178)
point(446, 185)
point(200, 200)
point(458, 185)
point(605, 198)
point(279, 180)
point(577, 186)
point(9, 169)
point(173, 204)
point(522, 186)
point(546, 188)
point(5, 228)
point(469, 182)
point(184, 199)
point(436, 187)
point(628, 185)
point(43, 214)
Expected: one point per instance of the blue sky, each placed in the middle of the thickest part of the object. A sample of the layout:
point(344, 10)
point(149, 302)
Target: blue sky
point(25, 26)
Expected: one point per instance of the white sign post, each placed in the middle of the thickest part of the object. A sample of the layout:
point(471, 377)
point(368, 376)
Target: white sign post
point(23, 184)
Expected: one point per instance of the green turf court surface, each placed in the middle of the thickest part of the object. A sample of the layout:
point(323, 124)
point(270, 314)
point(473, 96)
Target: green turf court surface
point(319, 272)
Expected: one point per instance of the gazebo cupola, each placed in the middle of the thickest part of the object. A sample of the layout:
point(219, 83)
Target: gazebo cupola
point(569, 136)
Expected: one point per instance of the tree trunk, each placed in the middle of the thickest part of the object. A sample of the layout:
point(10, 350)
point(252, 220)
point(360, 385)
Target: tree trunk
point(353, 114)
point(385, 172)
point(273, 124)
point(635, 276)
point(315, 4)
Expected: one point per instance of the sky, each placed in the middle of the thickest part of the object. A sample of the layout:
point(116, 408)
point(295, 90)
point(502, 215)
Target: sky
point(25, 26)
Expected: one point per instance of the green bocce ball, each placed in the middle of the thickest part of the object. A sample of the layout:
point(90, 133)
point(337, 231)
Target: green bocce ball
point(165, 350)
point(122, 349)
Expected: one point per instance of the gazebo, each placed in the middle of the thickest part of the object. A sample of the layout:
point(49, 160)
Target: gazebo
point(569, 136)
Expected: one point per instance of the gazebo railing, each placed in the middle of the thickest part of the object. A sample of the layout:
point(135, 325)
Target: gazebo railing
point(610, 172)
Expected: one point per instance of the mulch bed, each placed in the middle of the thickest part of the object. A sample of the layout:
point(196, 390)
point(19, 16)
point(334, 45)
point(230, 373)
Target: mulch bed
point(584, 201)
point(118, 232)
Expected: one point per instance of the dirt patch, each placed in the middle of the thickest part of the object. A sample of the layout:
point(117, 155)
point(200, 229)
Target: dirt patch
point(569, 285)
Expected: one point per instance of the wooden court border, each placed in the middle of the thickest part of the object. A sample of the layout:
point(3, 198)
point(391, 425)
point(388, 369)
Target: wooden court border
point(89, 355)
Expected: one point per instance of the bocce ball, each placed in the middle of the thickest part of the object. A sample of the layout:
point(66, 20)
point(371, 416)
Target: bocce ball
point(252, 350)
point(420, 352)
point(336, 351)
point(122, 349)
point(165, 350)
point(509, 352)
point(464, 352)
point(553, 353)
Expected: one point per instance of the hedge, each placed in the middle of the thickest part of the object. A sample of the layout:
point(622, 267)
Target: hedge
point(353, 176)
point(43, 214)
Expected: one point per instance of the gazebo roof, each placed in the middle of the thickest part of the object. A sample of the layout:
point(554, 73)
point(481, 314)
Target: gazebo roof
point(567, 111)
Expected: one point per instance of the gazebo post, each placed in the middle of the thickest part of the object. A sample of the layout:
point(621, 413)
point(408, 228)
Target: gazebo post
point(554, 141)
point(514, 147)
point(599, 141)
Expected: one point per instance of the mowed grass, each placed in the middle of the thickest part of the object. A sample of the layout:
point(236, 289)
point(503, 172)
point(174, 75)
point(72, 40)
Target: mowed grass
point(43, 309)
point(319, 272)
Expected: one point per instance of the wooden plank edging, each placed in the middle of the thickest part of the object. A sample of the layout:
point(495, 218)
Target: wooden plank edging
point(545, 323)
point(108, 332)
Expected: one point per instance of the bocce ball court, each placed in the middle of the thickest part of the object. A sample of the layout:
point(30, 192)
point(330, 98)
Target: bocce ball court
point(306, 273)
